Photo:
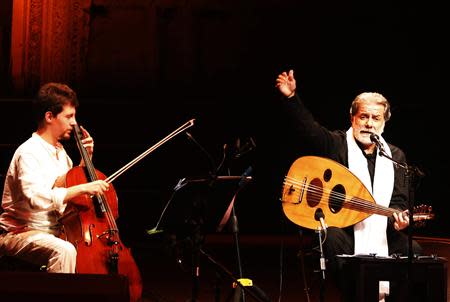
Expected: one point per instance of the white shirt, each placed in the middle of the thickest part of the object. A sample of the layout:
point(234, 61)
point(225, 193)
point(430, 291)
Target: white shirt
point(29, 199)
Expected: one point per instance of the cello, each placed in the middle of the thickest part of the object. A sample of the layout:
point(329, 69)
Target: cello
point(93, 229)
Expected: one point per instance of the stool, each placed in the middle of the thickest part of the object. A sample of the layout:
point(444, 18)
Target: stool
point(428, 278)
point(12, 264)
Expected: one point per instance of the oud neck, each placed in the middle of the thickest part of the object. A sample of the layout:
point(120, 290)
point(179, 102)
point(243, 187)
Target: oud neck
point(371, 208)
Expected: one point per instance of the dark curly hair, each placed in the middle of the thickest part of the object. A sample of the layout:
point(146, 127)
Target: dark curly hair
point(52, 97)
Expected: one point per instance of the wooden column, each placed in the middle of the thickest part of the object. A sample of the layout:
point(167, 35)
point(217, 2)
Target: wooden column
point(48, 42)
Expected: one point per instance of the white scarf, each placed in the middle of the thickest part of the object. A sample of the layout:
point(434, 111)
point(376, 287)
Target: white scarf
point(368, 237)
point(370, 234)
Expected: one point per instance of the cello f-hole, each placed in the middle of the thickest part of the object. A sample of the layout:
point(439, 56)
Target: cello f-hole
point(88, 235)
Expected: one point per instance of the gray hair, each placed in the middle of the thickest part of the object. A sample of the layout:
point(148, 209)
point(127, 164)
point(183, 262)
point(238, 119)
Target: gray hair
point(372, 97)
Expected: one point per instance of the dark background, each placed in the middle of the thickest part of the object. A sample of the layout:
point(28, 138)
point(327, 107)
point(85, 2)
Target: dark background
point(217, 62)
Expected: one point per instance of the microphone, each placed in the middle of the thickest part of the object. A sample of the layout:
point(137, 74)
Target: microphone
point(245, 177)
point(245, 148)
point(319, 215)
point(181, 183)
point(374, 138)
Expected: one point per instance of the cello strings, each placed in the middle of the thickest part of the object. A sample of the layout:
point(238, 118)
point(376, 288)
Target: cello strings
point(119, 172)
point(109, 260)
point(93, 176)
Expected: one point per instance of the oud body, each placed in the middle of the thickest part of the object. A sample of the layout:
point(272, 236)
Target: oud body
point(316, 184)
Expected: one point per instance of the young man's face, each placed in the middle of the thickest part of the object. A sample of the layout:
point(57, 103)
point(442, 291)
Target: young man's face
point(62, 124)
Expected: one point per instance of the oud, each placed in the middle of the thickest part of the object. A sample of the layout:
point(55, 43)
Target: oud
point(315, 184)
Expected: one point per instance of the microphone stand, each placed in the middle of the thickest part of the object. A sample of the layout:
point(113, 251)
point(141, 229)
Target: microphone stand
point(198, 238)
point(254, 291)
point(319, 216)
point(235, 230)
point(412, 173)
point(230, 214)
point(243, 179)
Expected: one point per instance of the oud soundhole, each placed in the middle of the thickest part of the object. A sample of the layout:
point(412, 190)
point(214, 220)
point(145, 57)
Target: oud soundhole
point(314, 192)
point(336, 198)
point(327, 175)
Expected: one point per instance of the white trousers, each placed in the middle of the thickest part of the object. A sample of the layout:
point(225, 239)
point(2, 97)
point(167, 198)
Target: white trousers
point(40, 248)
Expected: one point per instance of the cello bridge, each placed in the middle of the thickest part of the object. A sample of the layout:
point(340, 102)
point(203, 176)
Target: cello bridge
point(108, 234)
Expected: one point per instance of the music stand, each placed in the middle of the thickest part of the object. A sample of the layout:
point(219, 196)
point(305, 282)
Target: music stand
point(412, 176)
point(194, 209)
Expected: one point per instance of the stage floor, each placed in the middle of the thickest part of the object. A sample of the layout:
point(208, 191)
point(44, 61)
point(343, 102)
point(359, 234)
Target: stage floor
point(272, 262)
point(282, 268)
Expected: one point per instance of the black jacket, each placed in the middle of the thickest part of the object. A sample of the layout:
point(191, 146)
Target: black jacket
point(333, 145)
